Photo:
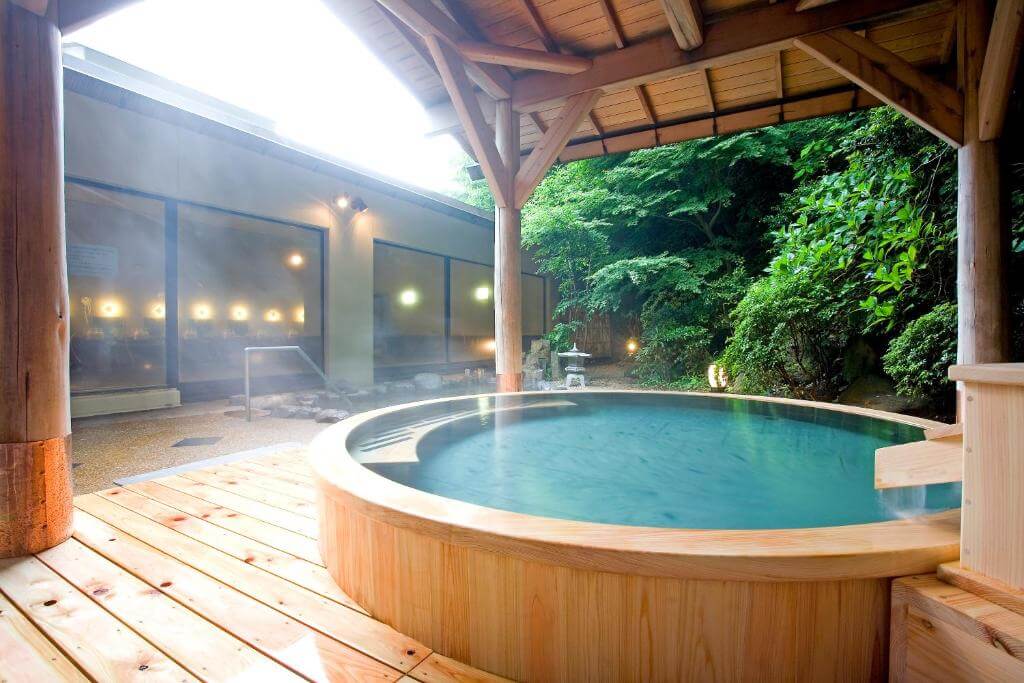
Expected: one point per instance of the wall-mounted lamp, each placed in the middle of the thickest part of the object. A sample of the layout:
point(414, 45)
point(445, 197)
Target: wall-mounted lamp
point(296, 260)
point(239, 313)
point(482, 293)
point(346, 201)
point(408, 297)
point(202, 311)
point(157, 311)
point(272, 316)
point(110, 308)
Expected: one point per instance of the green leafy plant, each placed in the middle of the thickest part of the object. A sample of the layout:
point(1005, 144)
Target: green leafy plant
point(918, 359)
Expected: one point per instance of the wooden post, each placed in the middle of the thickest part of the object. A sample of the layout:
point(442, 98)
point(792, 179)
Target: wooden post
point(508, 310)
point(992, 521)
point(982, 235)
point(35, 423)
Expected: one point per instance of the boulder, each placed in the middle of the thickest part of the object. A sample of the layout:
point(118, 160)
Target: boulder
point(284, 410)
point(330, 400)
point(331, 416)
point(268, 402)
point(427, 381)
point(403, 386)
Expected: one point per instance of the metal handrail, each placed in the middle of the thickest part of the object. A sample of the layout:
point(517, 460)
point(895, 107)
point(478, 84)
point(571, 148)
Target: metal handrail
point(296, 349)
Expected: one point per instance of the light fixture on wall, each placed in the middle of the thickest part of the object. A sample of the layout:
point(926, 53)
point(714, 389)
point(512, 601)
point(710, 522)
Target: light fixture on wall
point(300, 314)
point(202, 311)
point(239, 313)
point(490, 345)
point(272, 316)
point(482, 293)
point(110, 308)
point(347, 201)
point(408, 297)
point(296, 260)
point(157, 311)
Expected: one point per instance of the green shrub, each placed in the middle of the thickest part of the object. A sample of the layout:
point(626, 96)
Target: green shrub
point(790, 333)
point(919, 358)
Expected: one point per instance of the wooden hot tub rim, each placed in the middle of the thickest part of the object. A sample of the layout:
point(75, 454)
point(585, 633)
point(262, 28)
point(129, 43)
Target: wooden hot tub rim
point(860, 551)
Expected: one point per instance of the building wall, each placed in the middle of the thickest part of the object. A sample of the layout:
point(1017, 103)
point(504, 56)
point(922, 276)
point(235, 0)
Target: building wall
point(108, 144)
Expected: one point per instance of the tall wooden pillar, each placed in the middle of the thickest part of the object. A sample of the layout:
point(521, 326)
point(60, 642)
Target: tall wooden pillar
point(982, 232)
point(508, 310)
point(35, 423)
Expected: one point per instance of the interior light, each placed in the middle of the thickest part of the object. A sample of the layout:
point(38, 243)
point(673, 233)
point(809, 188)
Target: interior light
point(631, 346)
point(272, 316)
point(409, 297)
point(157, 311)
point(482, 293)
point(296, 260)
point(110, 308)
point(202, 312)
point(300, 315)
point(490, 345)
point(239, 313)
point(343, 201)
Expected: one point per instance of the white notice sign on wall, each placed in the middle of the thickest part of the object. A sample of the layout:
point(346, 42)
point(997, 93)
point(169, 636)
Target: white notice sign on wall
point(92, 260)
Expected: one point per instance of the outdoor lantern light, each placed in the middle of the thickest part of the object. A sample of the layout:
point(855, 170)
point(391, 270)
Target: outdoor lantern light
point(482, 293)
point(296, 260)
point(343, 201)
point(202, 311)
point(157, 311)
point(239, 313)
point(272, 316)
point(408, 297)
point(717, 377)
point(490, 345)
point(632, 346)
point(300, 315)
point(110, 308)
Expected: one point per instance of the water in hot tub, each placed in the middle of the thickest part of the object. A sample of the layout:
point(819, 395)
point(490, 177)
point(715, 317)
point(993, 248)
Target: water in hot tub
point(667, 461)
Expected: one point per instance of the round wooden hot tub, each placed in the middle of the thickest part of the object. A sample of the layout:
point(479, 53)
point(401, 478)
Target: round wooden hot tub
point(541, 599)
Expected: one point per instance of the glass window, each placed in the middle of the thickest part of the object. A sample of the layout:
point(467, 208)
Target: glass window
point(115, 253)
point(246, 282)
point(408, 307)
point(472, 308)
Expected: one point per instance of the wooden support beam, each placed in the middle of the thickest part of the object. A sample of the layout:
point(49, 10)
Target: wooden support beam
point(479, 134)
point(427, 19)
point(763, 30)
point(645, 105)
point(983, 308)
point(508, 311)
point(76, 14)
point(686, 20)
point(490, 53)
point(35, 421)
point(537, 23)
point(613, 24)
point(539, 122)
point(780, 82)
point(552, 144)
point(929, 102)
point(708, 95)
point(999, 68)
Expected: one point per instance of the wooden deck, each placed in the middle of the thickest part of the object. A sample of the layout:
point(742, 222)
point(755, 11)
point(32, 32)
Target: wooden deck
point(211, 574)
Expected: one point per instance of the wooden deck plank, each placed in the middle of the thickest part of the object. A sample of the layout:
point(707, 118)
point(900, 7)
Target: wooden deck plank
point(100, 645)
point(28, 655)
point(254, 508)
point(250, 527)
point(193, 642)
point(299, 647)
point(268, 473)
point(347, 625)
point(287, 566)
point(261, 480)
point(243, 486)
point(294, 461)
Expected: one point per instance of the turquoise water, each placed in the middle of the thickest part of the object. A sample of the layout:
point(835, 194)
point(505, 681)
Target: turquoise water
point(658, 461)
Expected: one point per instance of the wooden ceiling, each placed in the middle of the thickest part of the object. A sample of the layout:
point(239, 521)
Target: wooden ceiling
point(748, 72)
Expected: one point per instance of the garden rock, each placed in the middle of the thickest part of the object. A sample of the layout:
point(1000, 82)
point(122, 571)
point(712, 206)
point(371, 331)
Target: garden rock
point(331, 416)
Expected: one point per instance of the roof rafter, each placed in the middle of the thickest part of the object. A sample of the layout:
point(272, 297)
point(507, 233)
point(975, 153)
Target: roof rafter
point(765, 29)
point(427, 19)
point(537, 23)
point(931, 103)
point(491, 53)
point(686, 20)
